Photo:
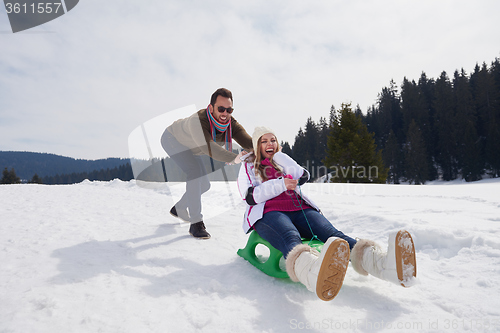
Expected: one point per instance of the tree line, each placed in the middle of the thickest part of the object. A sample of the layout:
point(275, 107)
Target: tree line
point(421, 131)
point(431, 129)
point(444, 128)
point(26, 164)
point(123, 172)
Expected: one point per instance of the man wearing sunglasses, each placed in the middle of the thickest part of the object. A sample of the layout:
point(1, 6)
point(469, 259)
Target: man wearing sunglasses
point(209, 132)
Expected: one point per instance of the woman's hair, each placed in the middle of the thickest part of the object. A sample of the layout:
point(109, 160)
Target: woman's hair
point(260, 169)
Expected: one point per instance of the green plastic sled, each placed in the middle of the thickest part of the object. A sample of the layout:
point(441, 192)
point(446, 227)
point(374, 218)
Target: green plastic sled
point(272, 265)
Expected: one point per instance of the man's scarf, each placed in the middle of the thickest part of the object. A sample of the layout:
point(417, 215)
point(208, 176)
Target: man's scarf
point(215, 125)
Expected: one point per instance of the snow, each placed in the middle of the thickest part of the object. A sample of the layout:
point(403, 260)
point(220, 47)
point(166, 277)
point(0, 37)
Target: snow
point(108, 257)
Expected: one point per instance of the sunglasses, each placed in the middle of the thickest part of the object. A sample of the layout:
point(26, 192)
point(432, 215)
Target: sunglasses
point(222, 109)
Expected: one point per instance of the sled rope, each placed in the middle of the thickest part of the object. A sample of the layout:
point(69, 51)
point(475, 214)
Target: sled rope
point(299, 201)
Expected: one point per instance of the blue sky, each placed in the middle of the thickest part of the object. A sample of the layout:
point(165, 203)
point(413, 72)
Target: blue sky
point(79, 85)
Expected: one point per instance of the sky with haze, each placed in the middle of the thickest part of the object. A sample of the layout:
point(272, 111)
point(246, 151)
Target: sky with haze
point(79, 85)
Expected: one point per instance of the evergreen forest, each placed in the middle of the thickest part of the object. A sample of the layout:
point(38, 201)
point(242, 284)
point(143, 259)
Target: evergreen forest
point(444, 128)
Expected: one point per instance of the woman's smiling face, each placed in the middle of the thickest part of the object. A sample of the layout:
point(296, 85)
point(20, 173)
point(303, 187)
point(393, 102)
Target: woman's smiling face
point(268, 145)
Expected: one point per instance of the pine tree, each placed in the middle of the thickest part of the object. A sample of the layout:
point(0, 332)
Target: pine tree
point(36, 180)
point(299, 148)
point(322, 147)
point(472, 167)
point(444, 124)
point(389, 109)
point(285, 148)
point(308, 148)
point(493, 149)
point(427, 90)
point(311, 139)
point(468, 144)
point(373, 122)
point(323, 130)
point(486, 97)
point(393, 159)
point(9, 177)
point(415, 109)
point(415, 156)
point(352, 153)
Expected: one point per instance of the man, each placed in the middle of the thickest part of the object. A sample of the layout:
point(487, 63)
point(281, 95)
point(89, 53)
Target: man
point(203, 133)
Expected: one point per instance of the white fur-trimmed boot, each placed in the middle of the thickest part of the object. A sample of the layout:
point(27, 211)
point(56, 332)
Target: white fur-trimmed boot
point(397, 265)
point(322, 273)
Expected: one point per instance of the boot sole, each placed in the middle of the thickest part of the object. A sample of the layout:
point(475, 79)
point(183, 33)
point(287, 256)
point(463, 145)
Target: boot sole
point(406, 261)
point(333, 268)
point(204, 237)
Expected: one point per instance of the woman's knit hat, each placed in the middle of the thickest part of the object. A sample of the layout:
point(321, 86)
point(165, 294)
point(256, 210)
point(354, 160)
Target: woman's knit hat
point(257, 133)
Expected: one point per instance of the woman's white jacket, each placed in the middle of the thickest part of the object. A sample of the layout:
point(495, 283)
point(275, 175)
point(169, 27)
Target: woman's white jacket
point(263, 191)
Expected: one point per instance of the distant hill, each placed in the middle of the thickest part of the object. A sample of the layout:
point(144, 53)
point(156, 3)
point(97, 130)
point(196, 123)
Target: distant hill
point(56, 169)
point(27, 164)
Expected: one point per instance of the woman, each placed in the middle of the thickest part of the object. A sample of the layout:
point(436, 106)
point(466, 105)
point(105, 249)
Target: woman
point(269, 181)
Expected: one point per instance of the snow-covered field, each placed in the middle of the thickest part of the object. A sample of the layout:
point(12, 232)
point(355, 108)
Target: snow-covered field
point(108, 257)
